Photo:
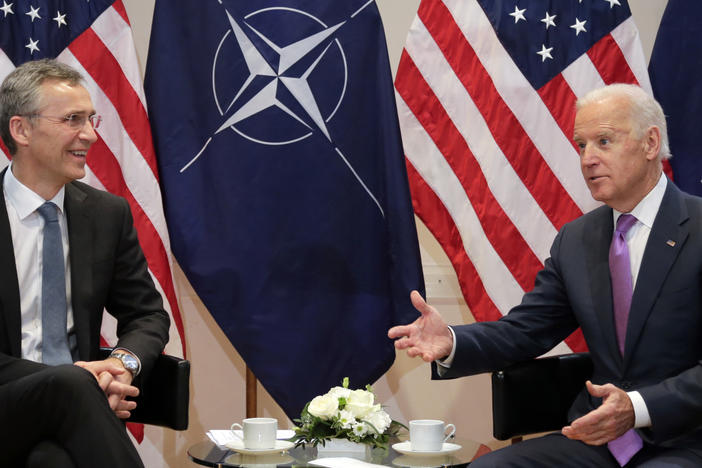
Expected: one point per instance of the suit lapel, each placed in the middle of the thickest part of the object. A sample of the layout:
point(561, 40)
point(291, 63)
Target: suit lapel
point(80, 238)
point(9, 287)
point(659, 255)
point(597, 240)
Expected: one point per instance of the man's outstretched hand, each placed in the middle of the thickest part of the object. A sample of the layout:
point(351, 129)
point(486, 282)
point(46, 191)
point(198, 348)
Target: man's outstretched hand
point(428, 336)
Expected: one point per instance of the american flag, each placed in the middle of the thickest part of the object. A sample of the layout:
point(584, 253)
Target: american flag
point(486, 92)
point(95, 38)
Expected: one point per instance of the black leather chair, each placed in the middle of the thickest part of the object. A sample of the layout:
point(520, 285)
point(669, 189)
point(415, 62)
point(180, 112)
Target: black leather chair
point(165, 394)
point(534, 396)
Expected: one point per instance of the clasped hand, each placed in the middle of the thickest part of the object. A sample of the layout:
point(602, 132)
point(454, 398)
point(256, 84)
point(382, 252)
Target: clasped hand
point(115, 381)
point(610, 420)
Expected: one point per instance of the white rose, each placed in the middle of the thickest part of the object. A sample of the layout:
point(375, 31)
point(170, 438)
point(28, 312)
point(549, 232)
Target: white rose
point(339, 392)
point(323, 406)
point(360, 403)
point(379, 420)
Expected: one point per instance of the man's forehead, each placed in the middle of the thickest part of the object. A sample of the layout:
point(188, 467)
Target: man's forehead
point(606, 113)
point(64, 93)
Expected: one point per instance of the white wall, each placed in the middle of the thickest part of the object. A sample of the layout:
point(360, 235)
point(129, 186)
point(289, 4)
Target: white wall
point(218, 372)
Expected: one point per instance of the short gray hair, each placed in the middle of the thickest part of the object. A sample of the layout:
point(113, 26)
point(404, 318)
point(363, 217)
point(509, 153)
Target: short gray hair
point(20, 92)
point(645, 110)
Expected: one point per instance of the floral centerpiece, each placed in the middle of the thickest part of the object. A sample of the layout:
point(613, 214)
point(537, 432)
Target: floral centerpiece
point(343, 413)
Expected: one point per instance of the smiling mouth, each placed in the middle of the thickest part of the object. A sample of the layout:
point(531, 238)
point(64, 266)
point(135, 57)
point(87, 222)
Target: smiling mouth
point(79, 153)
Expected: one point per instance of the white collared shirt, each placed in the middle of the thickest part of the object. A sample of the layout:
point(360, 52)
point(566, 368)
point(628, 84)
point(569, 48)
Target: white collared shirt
point(645, 213)
point(27, 228)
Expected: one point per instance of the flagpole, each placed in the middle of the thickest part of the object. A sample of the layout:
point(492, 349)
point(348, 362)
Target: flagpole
point(250, 393)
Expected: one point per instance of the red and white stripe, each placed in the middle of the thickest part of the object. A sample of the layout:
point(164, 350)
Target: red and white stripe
point(122, 161)
point(493, 171)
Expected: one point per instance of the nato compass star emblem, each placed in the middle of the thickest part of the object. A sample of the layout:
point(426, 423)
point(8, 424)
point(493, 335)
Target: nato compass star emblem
point(281, 78)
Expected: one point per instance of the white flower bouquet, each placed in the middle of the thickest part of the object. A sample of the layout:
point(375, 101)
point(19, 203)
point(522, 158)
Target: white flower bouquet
point(345, 414)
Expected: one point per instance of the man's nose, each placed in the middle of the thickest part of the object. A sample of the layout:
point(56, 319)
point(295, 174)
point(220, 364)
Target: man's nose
point(588, 155)
point(87, 132)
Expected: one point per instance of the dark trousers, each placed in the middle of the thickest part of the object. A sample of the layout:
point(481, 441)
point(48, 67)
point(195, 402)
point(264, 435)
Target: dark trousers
point(61, 408)
point(555, 450)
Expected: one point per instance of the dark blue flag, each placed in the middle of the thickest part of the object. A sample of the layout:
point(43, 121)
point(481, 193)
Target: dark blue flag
point(675, 69)
point(285, 184)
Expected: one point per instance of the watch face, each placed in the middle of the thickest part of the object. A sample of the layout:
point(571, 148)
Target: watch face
point(130, 363)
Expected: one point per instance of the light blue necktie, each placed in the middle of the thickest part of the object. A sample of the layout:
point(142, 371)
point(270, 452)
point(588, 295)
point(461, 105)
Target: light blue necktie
point(53, 291)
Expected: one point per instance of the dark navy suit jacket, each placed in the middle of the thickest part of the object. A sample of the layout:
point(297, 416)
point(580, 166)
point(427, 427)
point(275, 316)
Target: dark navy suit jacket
point(664, 334)
point(108, 271)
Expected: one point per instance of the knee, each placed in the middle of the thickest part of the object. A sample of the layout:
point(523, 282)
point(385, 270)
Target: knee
point(67, 383)
point(49, 453)
point(494, 459)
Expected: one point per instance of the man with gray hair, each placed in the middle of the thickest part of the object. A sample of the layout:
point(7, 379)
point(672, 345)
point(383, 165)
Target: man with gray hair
point(67, 252)
point(627, 273)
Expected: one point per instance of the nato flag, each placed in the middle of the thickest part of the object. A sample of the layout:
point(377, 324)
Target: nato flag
point(285, 183)
point(675, 70)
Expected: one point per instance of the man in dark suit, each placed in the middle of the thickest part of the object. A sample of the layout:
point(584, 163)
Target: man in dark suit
point(643, 406)
point(60, 404)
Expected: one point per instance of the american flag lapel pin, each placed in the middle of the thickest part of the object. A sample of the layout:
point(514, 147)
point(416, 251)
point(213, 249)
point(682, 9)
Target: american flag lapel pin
point(671, 243)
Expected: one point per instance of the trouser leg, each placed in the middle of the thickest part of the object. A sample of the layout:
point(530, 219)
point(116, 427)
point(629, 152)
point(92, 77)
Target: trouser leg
point(48, 454)
point(553, 450)
point(64, 404)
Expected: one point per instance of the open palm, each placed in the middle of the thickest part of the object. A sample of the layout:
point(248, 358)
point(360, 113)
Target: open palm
point(428, 336)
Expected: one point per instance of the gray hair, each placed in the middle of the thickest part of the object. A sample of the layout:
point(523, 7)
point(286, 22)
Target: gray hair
point(645, 110)
point(20, 93)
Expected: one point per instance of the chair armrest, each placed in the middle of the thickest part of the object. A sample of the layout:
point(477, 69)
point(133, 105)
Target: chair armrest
point(164, 395)
point(534, 396)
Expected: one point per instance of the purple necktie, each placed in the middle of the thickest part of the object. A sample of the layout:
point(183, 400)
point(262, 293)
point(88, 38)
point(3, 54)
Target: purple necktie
point(620, 270)
point(625, 446)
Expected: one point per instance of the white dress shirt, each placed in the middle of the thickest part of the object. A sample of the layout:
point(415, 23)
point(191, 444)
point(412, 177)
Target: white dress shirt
point(27, 228)
point(636, 238)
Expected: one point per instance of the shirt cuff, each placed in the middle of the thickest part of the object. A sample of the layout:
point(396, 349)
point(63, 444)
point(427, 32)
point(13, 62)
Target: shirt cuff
point(641, 416)
point(444, 364)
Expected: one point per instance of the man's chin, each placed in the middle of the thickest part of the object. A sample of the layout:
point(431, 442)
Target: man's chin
point(598, 196)
point(78, 173)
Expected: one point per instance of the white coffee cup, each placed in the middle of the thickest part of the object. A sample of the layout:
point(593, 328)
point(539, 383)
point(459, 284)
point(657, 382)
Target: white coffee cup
point(259, 433)
point(429, 435)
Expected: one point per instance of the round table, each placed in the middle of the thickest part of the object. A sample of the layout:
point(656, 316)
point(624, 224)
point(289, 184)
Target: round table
point(206, 453)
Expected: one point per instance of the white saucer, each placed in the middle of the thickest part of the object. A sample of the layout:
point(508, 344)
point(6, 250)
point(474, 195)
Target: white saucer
point(406, 449)
point(280, 446)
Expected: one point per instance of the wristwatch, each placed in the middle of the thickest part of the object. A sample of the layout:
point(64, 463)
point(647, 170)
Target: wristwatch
point(130, 362)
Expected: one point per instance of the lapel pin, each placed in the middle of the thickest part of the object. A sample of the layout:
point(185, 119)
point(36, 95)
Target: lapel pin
point(671, 243)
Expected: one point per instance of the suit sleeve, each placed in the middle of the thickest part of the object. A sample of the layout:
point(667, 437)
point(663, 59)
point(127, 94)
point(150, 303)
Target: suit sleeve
point(142, 322)
point(675, 405)
point(542, 320)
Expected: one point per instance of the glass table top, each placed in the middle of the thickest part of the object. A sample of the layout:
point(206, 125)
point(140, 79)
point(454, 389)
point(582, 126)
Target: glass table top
point(206, 453)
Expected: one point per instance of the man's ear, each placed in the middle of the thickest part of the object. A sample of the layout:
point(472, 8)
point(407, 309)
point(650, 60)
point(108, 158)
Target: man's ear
point(652, 142)
point(20, 130)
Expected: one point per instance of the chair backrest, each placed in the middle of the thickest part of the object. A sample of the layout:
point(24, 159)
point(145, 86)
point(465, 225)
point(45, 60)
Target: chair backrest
point(165, 394)
point(534, 396)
